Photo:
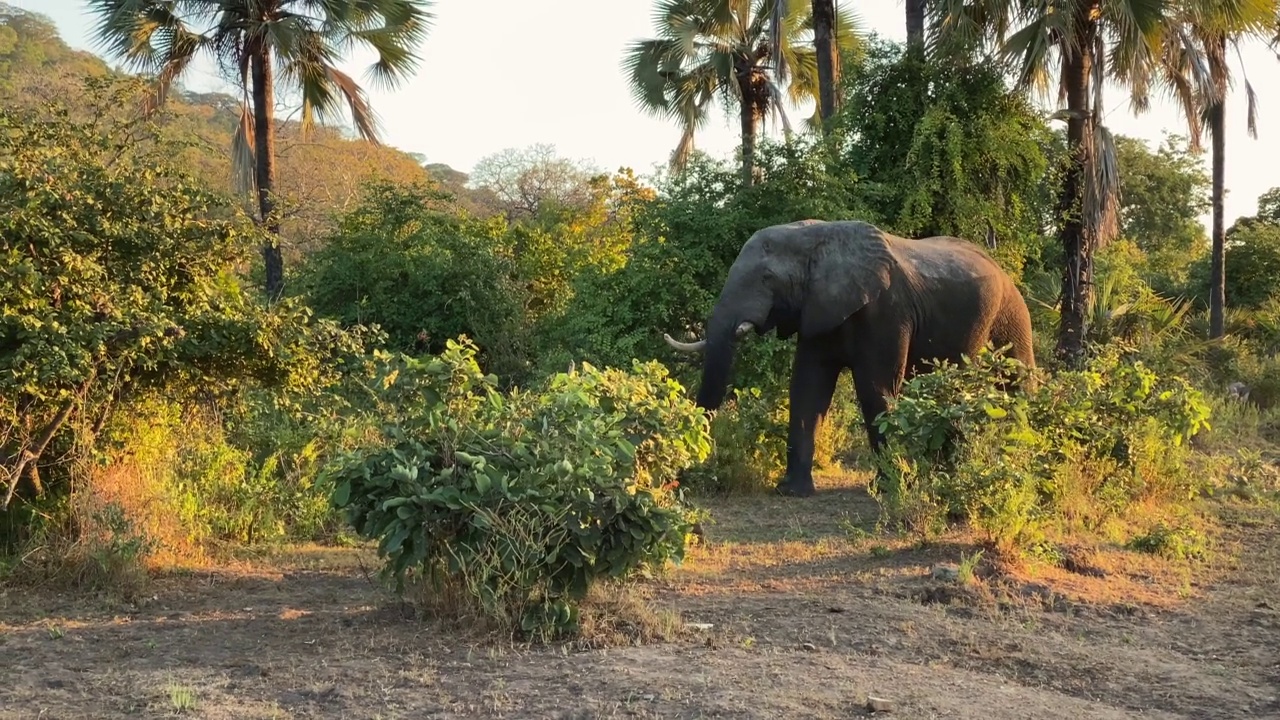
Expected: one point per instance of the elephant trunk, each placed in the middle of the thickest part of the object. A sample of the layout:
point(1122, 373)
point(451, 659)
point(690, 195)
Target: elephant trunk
point(717, 362)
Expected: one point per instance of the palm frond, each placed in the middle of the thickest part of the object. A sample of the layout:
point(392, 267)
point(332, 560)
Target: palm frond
point(684, 150)
point(1032, 47)
point(777, 15)
point(243, 178)
point(1250, 95)
point(1102, 187)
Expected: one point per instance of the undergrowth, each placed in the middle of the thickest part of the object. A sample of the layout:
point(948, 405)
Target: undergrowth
point(517, 504)
point(1078, 452)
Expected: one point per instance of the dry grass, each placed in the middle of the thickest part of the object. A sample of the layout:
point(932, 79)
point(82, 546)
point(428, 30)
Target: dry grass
point(807, 598)
point(766, 543)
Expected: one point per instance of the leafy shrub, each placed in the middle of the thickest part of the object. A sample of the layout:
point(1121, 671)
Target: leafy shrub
point(422, 274)
point(749, 440)
point(117, 279)
point(524, 500)
point(1083, 446)
point(1175, 542)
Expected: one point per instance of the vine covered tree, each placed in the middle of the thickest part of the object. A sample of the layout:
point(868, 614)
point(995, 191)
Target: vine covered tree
point(257, 45)
point(711, 49)
point(1082, 43)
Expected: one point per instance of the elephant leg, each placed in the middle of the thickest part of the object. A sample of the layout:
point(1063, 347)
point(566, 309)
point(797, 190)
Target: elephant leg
point(813, 382)
point(878, 371)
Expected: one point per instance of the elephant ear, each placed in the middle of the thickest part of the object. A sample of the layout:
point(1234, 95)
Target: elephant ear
point(848, 268)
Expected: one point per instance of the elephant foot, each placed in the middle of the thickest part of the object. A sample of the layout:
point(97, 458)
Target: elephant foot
point(795, 488)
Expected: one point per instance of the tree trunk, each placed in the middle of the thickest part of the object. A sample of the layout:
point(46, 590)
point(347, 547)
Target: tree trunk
point(1217, 265)
point(747, 112)
point(1077, 251)
point(29, 457)
point(265, 166)
point(824, 24)
point(915, 24)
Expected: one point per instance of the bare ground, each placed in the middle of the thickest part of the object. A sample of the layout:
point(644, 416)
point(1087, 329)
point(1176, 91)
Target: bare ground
point(811, 611)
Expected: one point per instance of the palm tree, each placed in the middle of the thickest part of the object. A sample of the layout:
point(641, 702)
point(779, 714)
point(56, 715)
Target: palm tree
point(709, 49)
point(1193, 67)
point(256, 43)
point(1082, 43)
point(915, 24)
point(827, 53)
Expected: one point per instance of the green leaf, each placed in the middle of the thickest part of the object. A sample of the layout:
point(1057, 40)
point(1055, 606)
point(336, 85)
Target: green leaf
point(342, 494)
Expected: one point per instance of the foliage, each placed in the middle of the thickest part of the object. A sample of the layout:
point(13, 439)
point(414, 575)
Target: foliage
point(1162, 196)
point(1080, 448)
point(1252, 264)
point(524, 500)
point(945, 148)
point(116, 277)
point(712, 50)
point(422, 274)
point(1173, 542)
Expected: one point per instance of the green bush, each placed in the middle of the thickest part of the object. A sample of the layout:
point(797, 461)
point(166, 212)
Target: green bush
point(523, 500)
point(749, 440)
point(118, 280)
point(1082, 447)
point(423, 274)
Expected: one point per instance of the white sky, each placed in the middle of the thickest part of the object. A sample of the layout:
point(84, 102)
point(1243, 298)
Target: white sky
point(510, 73)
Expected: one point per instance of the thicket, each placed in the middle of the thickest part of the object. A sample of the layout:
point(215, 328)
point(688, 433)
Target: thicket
point(485, 393)
point(1067, 453)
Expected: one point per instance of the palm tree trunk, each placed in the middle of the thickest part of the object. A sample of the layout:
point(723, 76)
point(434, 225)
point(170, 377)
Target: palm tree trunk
point(1077, 256)
point(747, 113)
point(1217, 265)
point(824, 23)
point(915, 24)
point(265, 165)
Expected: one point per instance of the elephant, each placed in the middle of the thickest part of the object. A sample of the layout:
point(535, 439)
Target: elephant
point(861, 299)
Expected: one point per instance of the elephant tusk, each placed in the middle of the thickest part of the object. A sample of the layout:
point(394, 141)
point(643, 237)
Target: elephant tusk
point(684, 347)
point(700, 345)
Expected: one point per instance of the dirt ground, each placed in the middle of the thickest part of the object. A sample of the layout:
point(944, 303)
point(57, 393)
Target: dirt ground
point(811, 612)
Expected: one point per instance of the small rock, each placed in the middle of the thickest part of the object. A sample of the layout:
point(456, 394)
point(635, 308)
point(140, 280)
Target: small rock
point(809, 646)
point(699, 626)
point(875, 704)
point(947, 572)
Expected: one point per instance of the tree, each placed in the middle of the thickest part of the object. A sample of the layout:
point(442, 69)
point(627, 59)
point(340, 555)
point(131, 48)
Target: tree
point(1268, 213)
point(1193, 64)
point(1162, 195)
point(1081, 42)
point(117, 278)
point(944, 148)
point(256, 43)
point(532, 180)
point(403, 260)
point(915, 23)
point(711, 49)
